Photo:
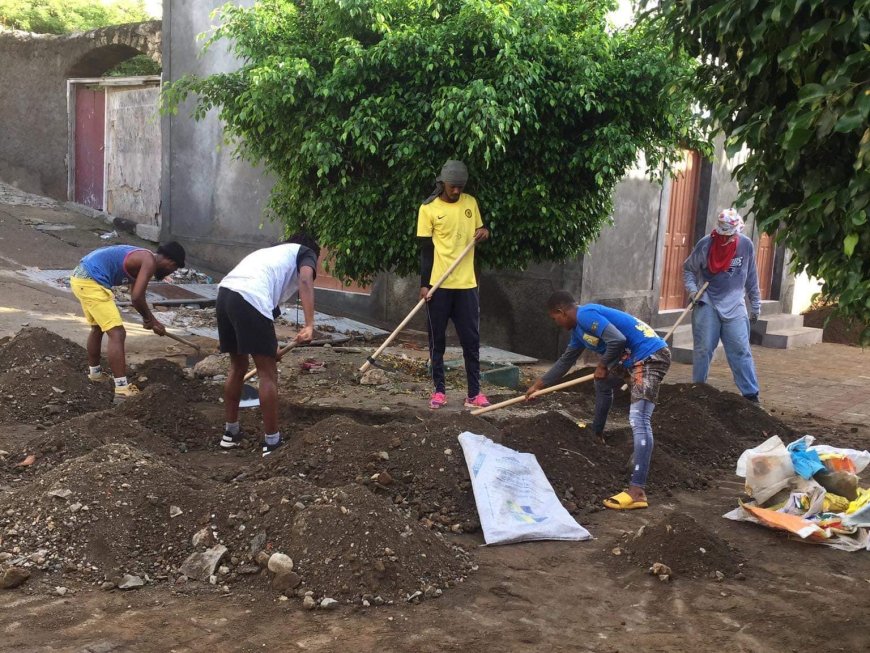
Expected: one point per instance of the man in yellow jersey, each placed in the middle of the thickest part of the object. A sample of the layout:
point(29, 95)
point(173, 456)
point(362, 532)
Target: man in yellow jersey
point(447, 222)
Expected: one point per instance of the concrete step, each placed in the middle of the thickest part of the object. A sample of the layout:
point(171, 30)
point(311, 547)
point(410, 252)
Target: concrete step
point(791, 338)
point(769, 307)
point(775, 322)
point(683, 354)
point(666, 319)
point(682, 336)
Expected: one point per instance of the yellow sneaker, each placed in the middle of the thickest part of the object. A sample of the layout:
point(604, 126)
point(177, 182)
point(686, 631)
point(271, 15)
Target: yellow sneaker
point(99, 377)
point(124, 392)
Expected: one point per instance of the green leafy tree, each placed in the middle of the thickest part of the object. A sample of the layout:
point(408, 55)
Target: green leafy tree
point(65, 16)
point(353, 105)
point(790, 81)
point(141, 64)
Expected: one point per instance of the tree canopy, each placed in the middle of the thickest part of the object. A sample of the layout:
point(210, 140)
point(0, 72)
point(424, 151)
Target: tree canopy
point(353, 105)
point(65, 16)
point(790, 81)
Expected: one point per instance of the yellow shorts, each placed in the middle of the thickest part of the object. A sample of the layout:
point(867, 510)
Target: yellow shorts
point(98, 303)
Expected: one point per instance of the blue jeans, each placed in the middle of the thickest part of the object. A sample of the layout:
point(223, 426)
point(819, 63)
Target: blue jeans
point(707, 329)
point(640, 418)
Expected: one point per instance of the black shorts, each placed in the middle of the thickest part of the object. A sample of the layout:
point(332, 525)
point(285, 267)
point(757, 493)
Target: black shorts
point(242, 329)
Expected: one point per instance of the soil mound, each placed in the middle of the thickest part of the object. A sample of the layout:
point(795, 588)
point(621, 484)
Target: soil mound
point(417, 465)
point(81, 435)
point(685, 546)
point(110, 512)
point(159, 371)
point(167, 411)
point(48, 391)
point(33, 344)
point(346, 543)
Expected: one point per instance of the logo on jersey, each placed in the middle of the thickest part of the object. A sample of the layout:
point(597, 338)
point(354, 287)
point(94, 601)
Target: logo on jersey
point(591, 340)
point(467, 213)
point(645, 329)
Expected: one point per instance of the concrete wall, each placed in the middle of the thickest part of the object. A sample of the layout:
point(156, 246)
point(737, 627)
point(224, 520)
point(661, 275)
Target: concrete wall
point(133, 154)
point(33, 102)
point(215, 202)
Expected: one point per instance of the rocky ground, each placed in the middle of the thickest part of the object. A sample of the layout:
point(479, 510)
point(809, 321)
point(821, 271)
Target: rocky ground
point(368, 506)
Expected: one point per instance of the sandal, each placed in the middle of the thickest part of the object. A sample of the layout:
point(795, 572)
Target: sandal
point(623, 501)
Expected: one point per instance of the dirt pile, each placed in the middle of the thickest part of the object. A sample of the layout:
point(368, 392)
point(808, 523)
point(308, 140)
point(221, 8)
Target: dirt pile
point(346, 543)
point(81, 435)
point(111, 512)
point(685, 546)
point(159, 371)
point(166, 410)
point(44, 380)
point(418, 465)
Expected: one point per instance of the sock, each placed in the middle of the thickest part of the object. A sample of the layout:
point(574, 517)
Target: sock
point(95, 369)
point(232, 429)
point(273, 438)
point(120, 381)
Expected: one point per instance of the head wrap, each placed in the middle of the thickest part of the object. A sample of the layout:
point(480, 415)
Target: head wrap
point(454, 173)
point(723, 245)
point(729, 223)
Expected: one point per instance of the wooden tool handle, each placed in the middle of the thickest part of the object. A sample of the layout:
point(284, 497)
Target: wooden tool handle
point(695, 298)
point(278, 356)
point(183, 341)
point(516, 400)
point(416, 308)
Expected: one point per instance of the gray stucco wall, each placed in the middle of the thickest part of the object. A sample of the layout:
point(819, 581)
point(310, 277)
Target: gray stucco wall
point(215, 202)
point(33, 102)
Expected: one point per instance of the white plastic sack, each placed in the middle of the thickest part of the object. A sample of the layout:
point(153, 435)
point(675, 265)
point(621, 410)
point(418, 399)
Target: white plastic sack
point(767, 468)
point(515, 501)
point(860, 458)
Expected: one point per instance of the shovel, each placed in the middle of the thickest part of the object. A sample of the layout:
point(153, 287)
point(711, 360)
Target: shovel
point(371, 359)
point(521, 398)
point(250, 394)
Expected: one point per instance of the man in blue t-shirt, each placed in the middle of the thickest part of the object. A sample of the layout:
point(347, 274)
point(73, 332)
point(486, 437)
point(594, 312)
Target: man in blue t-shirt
point(628, 348)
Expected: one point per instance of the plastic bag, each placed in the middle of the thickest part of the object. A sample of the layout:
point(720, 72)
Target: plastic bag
point(860, 458)
point(515, 501)
point(767, 469)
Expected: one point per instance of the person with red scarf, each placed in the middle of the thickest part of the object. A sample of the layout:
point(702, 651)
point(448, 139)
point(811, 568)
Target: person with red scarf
point(725, 259)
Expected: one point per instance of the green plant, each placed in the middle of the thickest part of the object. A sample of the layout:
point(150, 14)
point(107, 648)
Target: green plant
point(65, 16)
point(135, 66)
point(790, 81)
point(353, 105)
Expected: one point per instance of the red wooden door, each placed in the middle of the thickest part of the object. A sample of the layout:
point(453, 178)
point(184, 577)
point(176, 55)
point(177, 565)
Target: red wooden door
point(764, 263)
point(89, 146)
point(679, 231)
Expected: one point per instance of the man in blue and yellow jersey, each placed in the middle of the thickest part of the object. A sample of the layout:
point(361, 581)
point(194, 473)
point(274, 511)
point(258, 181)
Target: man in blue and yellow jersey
point(629, 350)
point(92, 282)
point(447, 222)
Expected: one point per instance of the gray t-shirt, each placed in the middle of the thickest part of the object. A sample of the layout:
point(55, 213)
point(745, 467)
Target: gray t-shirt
point(728, 288)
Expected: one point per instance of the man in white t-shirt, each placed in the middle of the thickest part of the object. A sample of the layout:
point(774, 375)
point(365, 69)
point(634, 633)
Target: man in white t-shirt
point(248, 302)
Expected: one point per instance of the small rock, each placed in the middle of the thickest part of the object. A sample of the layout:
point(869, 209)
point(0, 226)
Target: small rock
point(309, 603)
point(13, 577)
point(659, 569)
point(262, 559)
point(202, 537)
point(257, 543)
point(284, 582)
point(248, 569)
point(378, 600)
point(616, 551)
point(280, 563)
point(328, 604)
point(175, 511)
point(384, 478)
point(383, 455)
point(61, 591)
point(130, 582)
point(299, 505)
point(108, 585)
point(60, 494)
point(720, 576)
point(201, 565)
point(75, 507)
